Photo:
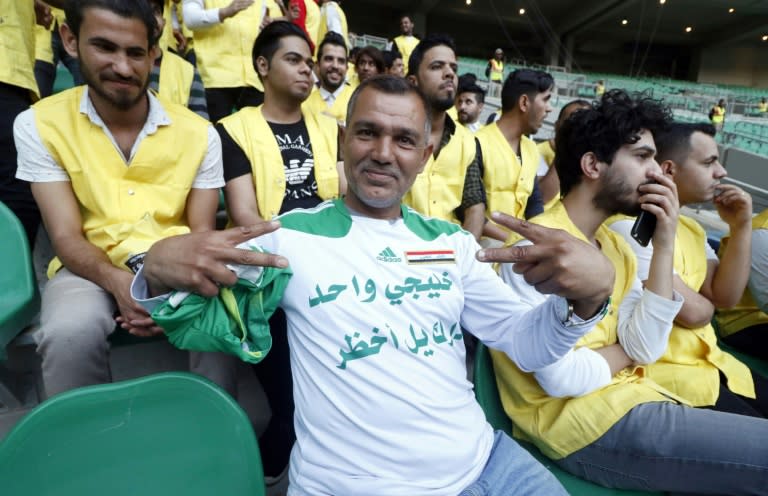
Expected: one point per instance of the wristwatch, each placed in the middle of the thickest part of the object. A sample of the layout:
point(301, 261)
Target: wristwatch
point(564, 312)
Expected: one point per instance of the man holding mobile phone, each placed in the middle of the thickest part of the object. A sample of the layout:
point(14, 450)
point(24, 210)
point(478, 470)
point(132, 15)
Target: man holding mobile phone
point(597, 412)
point(694, 365)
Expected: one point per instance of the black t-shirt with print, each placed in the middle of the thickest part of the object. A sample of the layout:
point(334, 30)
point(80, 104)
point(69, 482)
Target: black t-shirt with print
point(298, 163)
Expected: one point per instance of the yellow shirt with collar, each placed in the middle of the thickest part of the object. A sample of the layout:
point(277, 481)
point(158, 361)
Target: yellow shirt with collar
point(316, 105)
point(561, 426)
point(125, 207)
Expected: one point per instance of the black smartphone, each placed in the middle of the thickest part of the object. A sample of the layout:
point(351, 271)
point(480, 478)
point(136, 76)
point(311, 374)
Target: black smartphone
point(643, 228)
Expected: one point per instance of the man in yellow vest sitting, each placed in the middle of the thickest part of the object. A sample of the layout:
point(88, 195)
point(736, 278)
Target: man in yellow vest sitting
point(694, 367)
point(511, 158)
point(597, 412)
point(224, 32)
point(331, 95)
point(278, 157)
point(745, 326)
point(174, 79)
point(113, 170)
point(450, 186)
point(406, 42)
point(547, 173)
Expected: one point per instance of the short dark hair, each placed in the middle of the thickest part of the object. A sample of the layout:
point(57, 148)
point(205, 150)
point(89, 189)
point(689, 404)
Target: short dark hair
point(405, 14)
point(268, 40)
point(602, 129)
point(389, 58)
point(474, 89)
point(564, 108)
point(431, 41)
point(332, 38)
point(392, 85)
point(74, 11)
point(375, 55)
point(674, 142)
point(524, 82)
point(157, 5)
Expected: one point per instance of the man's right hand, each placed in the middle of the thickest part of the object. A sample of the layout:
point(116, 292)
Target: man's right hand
point(556, 263)
point(197, 262)
point(234, 8)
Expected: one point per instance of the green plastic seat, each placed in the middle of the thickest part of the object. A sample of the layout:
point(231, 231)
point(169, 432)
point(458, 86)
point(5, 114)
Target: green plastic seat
point(487, 394)
point(170, 434)
point(19, 296)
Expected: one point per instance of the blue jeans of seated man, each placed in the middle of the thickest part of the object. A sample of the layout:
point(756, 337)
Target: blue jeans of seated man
point(512, 470)
point(670, 447)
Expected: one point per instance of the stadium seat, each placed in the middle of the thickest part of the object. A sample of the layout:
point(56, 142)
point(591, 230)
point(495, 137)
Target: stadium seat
point(19, 296)
point(160, 435)
point(487, 395)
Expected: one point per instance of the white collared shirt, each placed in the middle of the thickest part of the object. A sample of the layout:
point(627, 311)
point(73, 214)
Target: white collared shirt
point(35, 163)
point(330, 97)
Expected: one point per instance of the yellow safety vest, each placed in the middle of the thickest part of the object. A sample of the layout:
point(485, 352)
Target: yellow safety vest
point(248, 128)
point(316, 105)
point(312, 21)
point(224, 51)
point(322, 29)
point(405, 45)
point(762, 107)
point(124, 208)
point(438, 189)
point(43, 48)
point(718, 114)
point(167, 40)
point(508, 183)
point(497, 70)
point(692, 363)
point(561, 426)
point(17, 45)
point(547, 152)
point(176, 77)
point(746, 313)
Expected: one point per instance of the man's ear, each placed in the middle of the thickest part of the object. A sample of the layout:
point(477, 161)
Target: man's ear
point(590, 166)
point(412, 79)
point(262, 65)
point(68, 39)
point(524, 103)
point(668, 168)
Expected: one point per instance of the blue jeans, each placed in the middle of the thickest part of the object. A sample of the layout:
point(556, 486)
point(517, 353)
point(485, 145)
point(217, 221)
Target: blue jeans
point(675, 448)
point(512, 470)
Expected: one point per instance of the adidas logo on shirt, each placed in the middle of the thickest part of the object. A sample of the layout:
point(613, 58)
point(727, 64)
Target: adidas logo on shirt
point(387, 255)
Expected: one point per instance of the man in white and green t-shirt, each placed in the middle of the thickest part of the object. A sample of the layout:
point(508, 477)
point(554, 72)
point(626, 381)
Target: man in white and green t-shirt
point(375, 305)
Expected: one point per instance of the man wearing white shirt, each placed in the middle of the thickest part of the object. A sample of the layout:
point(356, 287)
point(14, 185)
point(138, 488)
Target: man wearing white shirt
point(597, 412)
point(332, 94)
point(113, 170)
point(382, 401)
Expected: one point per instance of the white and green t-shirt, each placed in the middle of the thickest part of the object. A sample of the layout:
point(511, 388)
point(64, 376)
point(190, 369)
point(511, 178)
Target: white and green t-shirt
point(375, 310)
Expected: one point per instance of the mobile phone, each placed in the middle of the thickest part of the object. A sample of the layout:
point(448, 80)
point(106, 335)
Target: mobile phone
point(643, 228)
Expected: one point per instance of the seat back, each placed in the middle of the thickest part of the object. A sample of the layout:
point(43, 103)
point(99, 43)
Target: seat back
point(487, 394)
point(161, 435)
point(19, 296)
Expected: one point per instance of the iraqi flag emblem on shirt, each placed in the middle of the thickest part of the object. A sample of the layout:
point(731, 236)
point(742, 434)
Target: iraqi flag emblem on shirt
point(430, 257)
